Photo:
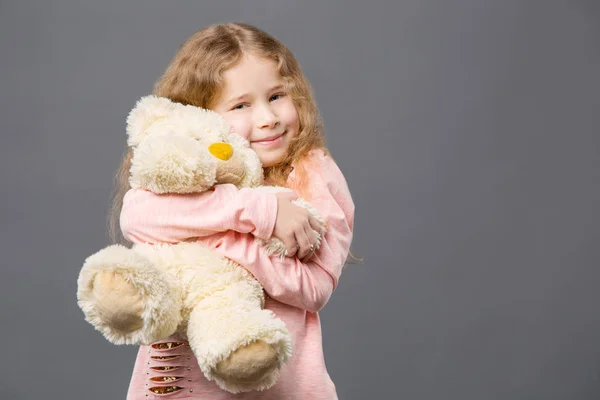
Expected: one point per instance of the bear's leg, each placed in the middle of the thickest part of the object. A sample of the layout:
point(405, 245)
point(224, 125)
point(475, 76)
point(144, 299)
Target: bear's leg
point(117, 301)
point(239, 345)
point(128, 298)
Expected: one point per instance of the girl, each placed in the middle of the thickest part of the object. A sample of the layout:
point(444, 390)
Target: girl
point(255, 83)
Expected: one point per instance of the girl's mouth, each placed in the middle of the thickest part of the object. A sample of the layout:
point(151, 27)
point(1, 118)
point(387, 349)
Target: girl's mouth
point(272, 141)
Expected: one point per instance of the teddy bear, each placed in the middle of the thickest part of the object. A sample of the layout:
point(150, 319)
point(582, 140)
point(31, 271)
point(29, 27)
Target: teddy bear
point(148, 292)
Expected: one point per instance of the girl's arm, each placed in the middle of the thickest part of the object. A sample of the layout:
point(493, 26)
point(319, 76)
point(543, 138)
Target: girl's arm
point(304, 285)
point(170, 218)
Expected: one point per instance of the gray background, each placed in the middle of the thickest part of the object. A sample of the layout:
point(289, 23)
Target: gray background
point(469, 134)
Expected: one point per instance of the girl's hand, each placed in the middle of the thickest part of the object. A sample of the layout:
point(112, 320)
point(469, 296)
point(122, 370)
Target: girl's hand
point(295, 227)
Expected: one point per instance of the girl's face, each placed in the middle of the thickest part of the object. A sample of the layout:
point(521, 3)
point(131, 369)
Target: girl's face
point(255, 104)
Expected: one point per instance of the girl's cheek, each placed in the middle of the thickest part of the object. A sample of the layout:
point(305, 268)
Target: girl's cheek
point(241, 130)
point(288, 112)
point(238, 126)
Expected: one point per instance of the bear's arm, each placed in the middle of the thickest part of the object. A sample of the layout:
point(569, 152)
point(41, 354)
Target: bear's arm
point(147, 217)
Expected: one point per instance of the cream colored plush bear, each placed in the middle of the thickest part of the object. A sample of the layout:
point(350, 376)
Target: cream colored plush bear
point(150, 292)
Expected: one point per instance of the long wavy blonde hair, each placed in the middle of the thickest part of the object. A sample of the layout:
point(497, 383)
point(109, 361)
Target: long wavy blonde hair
point(195, 76)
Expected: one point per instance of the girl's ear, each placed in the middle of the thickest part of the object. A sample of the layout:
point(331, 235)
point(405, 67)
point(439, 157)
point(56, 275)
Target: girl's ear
point(147, 110)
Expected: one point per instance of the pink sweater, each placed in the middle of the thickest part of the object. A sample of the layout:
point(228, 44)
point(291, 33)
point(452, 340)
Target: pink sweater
point(227, 220)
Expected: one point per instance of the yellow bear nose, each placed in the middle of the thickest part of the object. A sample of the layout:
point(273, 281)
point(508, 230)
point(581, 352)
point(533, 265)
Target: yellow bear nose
point(222, 151)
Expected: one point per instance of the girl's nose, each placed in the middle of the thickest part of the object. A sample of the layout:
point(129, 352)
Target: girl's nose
point(222, 151)
point(266, 118)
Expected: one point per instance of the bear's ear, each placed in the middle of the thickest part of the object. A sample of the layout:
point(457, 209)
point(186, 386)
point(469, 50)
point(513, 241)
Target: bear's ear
point(147, 110)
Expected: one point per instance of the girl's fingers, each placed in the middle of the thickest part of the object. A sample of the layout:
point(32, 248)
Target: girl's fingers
point(303, 244)
point(315, 224)
point(290, 245)
point(312, 235)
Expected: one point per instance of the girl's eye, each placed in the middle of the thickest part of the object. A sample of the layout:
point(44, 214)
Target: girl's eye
point(239, 106)
point(276, 96)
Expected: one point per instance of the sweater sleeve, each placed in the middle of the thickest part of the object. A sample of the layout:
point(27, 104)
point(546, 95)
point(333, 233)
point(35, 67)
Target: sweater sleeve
point(172, 218)
point(303, 285)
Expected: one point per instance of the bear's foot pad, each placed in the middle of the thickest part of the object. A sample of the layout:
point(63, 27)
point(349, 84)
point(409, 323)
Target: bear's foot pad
point(250, 363)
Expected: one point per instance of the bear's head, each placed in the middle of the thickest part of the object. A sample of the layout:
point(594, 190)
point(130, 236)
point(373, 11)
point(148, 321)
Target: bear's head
point(186, 149)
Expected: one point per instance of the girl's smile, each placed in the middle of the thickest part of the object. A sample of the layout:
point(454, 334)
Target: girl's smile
point(271, 141)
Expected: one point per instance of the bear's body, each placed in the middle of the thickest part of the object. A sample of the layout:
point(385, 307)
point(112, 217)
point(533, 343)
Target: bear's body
point(152, 291)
